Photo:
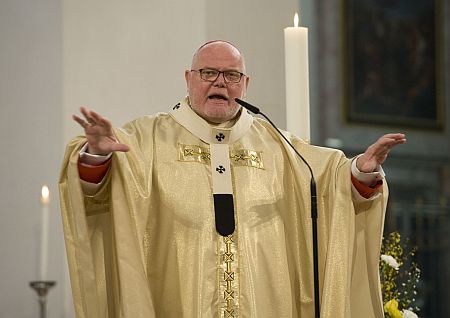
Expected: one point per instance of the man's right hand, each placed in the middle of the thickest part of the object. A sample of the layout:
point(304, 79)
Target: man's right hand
point(99, 133)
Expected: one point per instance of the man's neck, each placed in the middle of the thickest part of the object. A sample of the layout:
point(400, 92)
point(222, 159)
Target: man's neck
point(228, 124)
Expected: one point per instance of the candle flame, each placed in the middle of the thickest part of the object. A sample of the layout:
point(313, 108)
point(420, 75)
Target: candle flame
point(45, 195)
point(296, 20)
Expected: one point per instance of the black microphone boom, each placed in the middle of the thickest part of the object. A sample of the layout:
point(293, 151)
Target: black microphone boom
point(313, 192)
point(252, 108)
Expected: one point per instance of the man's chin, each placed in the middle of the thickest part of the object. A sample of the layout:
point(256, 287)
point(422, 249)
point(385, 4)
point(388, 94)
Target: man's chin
point(216, 113)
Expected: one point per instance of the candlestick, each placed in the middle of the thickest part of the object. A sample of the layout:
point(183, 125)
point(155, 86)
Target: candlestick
point(297, 80)
point(42, 288)
point(45, 200)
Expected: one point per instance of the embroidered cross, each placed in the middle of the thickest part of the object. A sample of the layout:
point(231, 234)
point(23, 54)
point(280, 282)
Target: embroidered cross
point(229, 313)
point(205, 155)
point(220, 137)
point(188, 152)
point(228, 276)
point(220, 169)
point(228, 239)
point(228, 257)
point(228, 295)
point(176, 106)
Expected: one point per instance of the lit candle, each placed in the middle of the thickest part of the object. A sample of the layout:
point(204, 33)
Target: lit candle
point(297, 80)
point(45, 200)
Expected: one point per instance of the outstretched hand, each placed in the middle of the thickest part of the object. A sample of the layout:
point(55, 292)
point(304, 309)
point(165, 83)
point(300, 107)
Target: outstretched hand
point(99, 133)
point(377, 153)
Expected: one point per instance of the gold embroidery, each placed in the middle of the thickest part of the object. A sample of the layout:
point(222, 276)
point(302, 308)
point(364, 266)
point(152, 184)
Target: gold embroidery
point(229, 313)
point(228, 257)
point(240, 157)
point(229, 278)
point(188, 152)
point(246, 157)
point(193, 153)
point(228, 295)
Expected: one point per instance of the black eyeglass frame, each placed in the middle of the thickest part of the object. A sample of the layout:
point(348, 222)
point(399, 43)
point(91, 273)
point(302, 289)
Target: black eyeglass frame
point(218, 74)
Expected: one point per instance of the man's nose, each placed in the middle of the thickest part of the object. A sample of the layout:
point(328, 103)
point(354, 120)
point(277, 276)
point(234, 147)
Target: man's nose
point(220, 80)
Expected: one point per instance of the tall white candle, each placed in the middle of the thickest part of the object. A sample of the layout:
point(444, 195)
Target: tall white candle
point(45, 201)
point(297, 80)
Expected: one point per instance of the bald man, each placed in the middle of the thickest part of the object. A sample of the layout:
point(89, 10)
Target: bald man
point(204, 211)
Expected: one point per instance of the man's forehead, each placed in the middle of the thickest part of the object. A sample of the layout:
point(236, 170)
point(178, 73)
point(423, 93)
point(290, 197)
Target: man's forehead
point(217, 42)
point(208, 50)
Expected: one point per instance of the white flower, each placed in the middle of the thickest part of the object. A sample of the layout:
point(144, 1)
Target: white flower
point(409, 314)
point(392, 262)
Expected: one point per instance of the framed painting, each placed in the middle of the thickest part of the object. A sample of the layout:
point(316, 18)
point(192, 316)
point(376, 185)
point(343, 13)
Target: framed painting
point(393, 72)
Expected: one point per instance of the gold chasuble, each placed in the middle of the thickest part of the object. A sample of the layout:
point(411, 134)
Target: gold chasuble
point(145, 245)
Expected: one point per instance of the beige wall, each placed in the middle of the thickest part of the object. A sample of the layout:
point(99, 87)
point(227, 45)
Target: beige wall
point(31, 143)
point(126, 59)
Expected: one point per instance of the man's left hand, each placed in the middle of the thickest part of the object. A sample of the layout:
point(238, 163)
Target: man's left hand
point(377, 153)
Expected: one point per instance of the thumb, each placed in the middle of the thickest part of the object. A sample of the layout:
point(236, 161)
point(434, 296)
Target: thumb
point(120, 147)
point(364, 164)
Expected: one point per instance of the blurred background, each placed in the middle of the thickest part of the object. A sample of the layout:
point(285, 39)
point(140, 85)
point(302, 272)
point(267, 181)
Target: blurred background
point(375, 67)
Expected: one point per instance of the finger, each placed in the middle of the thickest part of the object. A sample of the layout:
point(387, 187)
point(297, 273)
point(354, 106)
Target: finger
point(100, 120)
point(381, 148)
point(395, 136)
point(80, 121)
point(106, 123)
point(88, 115)
point(91, 121)
point(389, 141)
point(95, 116)
point(84, 111)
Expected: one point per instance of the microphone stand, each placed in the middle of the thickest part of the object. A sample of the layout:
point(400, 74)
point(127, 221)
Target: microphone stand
point(313, 192)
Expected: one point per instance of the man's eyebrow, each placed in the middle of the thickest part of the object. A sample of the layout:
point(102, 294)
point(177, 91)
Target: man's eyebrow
point(225, 70)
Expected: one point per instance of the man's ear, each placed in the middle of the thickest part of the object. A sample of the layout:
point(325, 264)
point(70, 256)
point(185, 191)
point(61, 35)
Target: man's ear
point(247, 80)
point(187, 75)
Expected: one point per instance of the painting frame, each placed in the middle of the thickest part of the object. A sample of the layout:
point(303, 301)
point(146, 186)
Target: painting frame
point(393, 63)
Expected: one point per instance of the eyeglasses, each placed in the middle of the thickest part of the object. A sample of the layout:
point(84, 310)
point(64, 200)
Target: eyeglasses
point(211, 75)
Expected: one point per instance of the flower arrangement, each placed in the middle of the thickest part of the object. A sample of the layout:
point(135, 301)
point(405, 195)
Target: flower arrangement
point(399, 276)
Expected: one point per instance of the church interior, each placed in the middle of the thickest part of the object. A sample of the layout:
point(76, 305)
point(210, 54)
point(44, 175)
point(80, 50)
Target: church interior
point(374, 68)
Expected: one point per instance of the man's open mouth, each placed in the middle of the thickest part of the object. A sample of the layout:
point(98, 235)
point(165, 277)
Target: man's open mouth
point(218, 97)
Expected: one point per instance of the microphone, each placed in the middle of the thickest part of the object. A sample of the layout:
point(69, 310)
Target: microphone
point(313, 193)
point(251, 108)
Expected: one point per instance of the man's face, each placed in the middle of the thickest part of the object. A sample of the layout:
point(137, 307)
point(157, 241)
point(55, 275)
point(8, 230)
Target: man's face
point(214, 101)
